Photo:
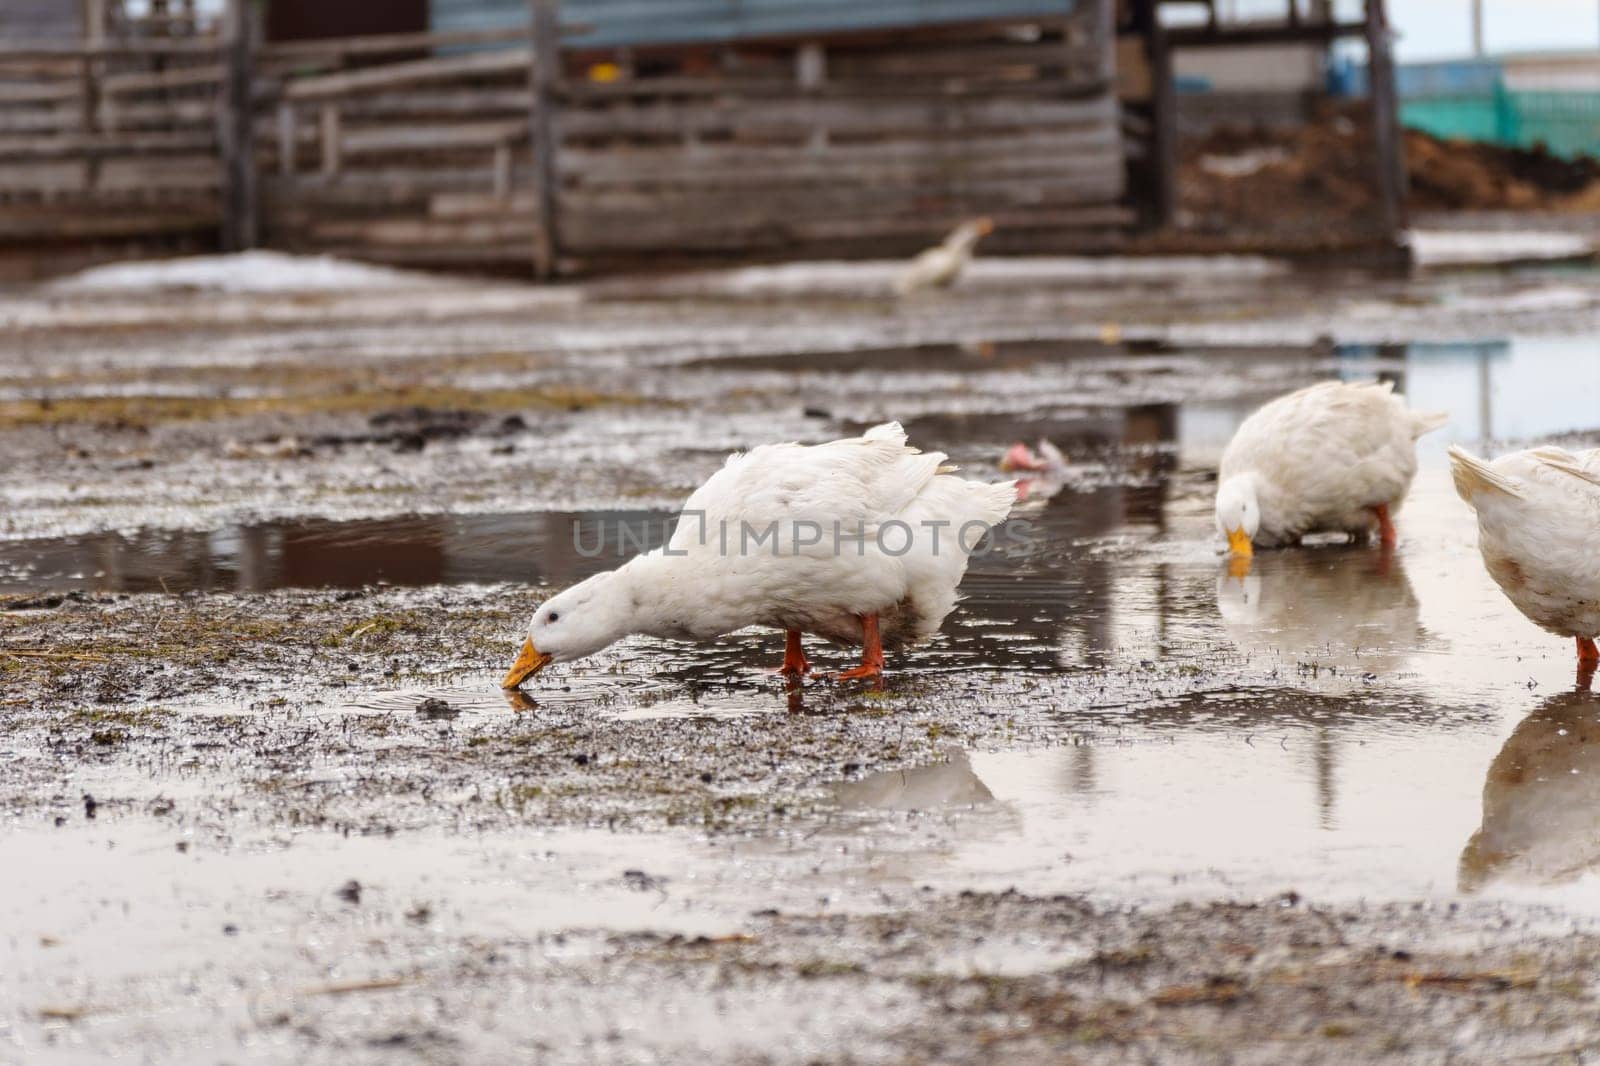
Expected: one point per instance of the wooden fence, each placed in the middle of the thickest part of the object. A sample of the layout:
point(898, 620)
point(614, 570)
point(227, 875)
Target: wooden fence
point(499, 149)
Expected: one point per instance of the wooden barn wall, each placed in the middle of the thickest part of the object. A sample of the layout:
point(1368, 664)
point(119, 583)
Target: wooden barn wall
point(776, 150)
point(634, 22)
point(416, 149)
point(106, 156)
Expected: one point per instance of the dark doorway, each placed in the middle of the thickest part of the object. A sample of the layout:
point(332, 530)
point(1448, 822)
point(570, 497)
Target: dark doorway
point(300, 20)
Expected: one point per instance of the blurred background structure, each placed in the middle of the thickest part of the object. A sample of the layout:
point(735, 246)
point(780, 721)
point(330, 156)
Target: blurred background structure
point(591, 136)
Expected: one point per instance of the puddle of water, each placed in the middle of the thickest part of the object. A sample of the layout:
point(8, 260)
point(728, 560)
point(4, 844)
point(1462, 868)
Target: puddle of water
point(1420, 737)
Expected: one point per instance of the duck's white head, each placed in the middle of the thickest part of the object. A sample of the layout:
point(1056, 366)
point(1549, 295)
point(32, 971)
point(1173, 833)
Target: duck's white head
point(1238, 513)
point(576, 623)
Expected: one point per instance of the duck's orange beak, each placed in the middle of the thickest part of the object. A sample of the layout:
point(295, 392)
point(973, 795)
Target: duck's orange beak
point(529, 662)
point(1239, 542)
point(985, 226)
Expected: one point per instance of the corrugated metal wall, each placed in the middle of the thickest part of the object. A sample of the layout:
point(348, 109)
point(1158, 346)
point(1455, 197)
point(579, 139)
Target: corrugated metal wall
point(36, 19)
point(674, 21)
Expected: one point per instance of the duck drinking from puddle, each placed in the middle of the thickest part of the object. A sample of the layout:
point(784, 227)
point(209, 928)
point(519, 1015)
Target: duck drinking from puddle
point(1335, 457)
point(860, 541)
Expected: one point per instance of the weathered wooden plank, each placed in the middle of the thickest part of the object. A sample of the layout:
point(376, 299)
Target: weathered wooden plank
point(152, 46)
point(416, 72)
point(1046, 174)
point(160, 80)
point(380, 44)
point(45, 93)
point(102, 146)
point(511, 228)
point(742, 164)
point(839, 116)
point(34, 224)
point(481, 205)
point(433, 138)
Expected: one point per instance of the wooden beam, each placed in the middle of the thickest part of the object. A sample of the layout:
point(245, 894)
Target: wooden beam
point(393, 75)
point(331, 148)
point(1391, 176)
point(1231, 36)
point(236, 131)
point(288, 142)
point(544, 75)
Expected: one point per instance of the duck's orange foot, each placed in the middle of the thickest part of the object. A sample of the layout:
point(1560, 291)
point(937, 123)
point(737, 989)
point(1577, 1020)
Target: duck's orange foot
point(871, 653)
point(1386, 530)
point(1588, 652)
point(795, 663)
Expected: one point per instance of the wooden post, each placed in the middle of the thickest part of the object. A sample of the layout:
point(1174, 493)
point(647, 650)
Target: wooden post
point(544, 74)
point(235, 137)
point(1391, 176)
point(502, 170)
point(330, 140)
point(94, 30)
point(288, 138)
point(1163, 124)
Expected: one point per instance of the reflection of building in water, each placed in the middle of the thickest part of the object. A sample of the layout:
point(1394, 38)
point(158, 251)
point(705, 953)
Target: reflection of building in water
point(1541, 799)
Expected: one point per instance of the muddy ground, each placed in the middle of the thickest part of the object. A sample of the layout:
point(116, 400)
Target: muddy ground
point(267, 556)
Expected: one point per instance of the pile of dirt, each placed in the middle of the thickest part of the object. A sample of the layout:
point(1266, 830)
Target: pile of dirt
point(1472, 176)
point(1319, 177)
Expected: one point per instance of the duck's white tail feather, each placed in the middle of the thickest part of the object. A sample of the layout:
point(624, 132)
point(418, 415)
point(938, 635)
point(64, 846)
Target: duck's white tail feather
point(1564, 461)
point(1427, 421)
point(1473, 476)
point(890, 431)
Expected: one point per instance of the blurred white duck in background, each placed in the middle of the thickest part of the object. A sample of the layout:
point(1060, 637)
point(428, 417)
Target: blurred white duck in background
point(940, 266)
point(869, 538)
point(1046, 470)
point(1539, 535)
point(1334, 457)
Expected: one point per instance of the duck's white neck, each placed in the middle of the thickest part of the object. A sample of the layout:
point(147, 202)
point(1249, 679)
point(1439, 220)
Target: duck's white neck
point(644, 595)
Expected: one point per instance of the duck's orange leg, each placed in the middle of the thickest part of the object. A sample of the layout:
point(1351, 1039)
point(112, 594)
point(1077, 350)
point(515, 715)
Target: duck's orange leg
point(871, 652)
point(1588, 653)
point(794, 656)
point(1386, 531)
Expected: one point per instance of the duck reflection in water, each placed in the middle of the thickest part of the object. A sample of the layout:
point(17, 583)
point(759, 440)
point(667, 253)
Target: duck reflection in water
point(1541, 799)
point(951, 783)
point(1336, 606)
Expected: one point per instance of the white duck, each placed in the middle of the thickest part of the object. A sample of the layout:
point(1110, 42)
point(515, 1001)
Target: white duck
point(860, 541)
point(941, 265)
point(1539, 535)
point(1333, 457)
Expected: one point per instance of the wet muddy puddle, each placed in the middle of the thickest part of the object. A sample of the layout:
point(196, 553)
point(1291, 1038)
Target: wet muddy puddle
point(1359, 722)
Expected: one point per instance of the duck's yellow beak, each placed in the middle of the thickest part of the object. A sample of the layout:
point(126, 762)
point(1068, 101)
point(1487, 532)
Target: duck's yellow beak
point(529, 662)
point(1239, 542)
point(1239, 566)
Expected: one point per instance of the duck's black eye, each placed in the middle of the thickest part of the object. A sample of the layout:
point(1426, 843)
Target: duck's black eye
point(554, 617)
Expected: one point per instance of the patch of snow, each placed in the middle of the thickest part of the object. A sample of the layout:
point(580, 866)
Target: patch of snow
point(878, 276)
point(1242, 164)
point(243, 272)
point(1465, 248)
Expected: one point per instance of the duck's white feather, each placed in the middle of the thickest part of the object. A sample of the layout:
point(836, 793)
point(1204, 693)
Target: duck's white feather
point(1539, 531)
point(1323, 457)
